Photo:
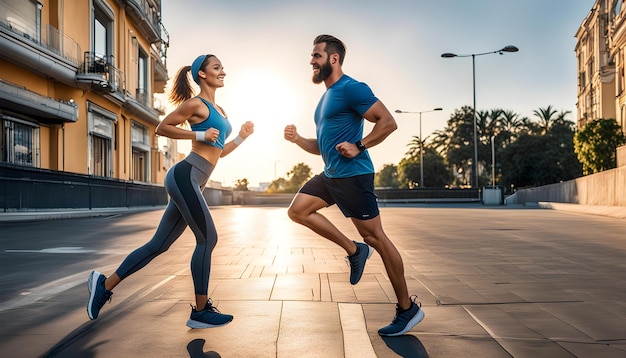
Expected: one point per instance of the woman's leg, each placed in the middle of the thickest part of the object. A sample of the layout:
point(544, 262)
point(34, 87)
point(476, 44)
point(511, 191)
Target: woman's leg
point(191, 177)
point(171, 226)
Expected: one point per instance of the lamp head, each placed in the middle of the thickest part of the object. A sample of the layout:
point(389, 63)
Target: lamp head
point(398, 111)
point(438, 109)
point(509, 48)
point(448, 55)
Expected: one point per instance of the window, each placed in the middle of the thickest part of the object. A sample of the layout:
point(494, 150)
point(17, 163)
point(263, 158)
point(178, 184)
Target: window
point(102, 32)
point(22, 16)
point(100, 156)
point(141, 152)
point(19, 142)
point(100, 141)
point(139, 164)
point(142, 78)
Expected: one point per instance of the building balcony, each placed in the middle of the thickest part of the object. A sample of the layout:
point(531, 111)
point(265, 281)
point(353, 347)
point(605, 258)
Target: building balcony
point(159, 53)
point(51, 54)
point(22, 100)
point(142, 105)
point(99, 73)
point(145, 17)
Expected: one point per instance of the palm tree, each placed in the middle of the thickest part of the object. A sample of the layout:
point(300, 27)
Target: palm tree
point(510, 125)
point(546, 119)
point(493, 126)
point(414, 147)
point(441, 140)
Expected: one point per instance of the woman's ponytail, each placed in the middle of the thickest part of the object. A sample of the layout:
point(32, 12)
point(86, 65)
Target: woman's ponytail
point(182, 90)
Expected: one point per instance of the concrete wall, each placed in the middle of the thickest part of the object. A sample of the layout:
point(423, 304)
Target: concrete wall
point(215, 197)
point(607, 188)
point(621, 156)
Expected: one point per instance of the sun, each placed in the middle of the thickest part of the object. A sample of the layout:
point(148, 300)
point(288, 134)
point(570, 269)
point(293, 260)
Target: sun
point(270, 100)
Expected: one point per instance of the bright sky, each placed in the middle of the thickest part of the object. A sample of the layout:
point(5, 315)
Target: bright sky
point(395, 46)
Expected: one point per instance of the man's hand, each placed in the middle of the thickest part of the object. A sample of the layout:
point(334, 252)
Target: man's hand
point(348, 150)
point(291, 134)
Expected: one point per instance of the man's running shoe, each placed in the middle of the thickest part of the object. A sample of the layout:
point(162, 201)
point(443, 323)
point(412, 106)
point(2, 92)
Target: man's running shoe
point(357, 261)
point(404, 319)
point(98, 294)
point(209, 317)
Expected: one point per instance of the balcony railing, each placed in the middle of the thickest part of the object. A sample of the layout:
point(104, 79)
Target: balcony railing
point(146, 18)
point(141, 95)
point(50, 39)
point(164, 44)
point(101, 72)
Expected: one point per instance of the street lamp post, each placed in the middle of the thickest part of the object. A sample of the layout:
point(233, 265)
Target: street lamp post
point(450, 55)
point(493, 161)
point(421, 142)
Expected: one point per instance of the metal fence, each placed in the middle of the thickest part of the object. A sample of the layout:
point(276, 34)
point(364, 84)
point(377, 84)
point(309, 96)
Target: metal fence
point(428, 195)
point(24, 188)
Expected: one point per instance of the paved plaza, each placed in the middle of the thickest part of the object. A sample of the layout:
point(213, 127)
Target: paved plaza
point(493, 282)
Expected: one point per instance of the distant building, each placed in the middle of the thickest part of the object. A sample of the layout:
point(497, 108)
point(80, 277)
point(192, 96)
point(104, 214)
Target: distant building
point(77, 80)
point(601, 62)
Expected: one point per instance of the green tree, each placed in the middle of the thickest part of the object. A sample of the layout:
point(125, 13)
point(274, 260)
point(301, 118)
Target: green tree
point(535, 159)
point(241, 184)
point(596, 144)
point(298, 175)
point(436, 171)
point(277, 186)
point(387, 177)
point(546, 117)
point(456, 143)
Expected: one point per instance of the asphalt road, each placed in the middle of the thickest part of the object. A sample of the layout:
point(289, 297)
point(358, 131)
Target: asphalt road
point(493, 282)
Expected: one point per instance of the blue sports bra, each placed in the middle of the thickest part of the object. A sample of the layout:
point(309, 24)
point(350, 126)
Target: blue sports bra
point(217, 121)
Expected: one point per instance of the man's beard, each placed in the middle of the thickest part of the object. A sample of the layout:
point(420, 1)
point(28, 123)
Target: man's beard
point(325, 71)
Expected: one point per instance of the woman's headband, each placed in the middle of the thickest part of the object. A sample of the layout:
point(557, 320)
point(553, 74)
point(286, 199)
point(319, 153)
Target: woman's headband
point(196, 66)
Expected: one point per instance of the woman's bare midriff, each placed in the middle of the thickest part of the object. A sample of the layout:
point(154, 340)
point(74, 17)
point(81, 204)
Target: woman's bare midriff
point(208, 152)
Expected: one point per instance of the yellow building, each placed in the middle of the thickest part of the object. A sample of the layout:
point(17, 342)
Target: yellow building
point(77, 79)
point(601, 58)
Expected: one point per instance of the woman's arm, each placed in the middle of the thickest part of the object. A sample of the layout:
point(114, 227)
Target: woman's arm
point(246, 130)
point(191, 110)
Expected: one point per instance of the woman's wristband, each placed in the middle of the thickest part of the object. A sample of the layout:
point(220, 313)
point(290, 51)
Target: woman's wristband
point(200, 136)
point(238, 140)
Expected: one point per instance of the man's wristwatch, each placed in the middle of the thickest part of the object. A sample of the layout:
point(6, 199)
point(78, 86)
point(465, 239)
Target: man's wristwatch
point(360, 146)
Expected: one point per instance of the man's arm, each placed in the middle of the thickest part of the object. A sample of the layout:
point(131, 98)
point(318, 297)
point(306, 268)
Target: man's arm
point(384, 124)
point(308, 144)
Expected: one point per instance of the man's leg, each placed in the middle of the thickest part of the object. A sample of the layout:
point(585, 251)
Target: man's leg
point(372, 232)
point(408, 312)
point(303, 210)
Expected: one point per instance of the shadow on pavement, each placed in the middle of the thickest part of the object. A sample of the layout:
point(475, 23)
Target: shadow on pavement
point(406, 346)
point(195, 349)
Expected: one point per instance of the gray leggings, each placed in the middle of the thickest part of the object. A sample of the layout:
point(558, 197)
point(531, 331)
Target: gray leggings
point(184, 183)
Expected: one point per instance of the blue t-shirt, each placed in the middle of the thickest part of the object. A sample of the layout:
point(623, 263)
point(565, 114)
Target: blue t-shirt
point(217, 121)
point(339, 118)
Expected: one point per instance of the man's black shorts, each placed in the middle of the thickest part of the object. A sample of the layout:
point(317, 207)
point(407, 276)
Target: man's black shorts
point(354, 195)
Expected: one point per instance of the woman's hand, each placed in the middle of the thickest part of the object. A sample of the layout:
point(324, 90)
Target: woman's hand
point(246, 129)
point(211, 134)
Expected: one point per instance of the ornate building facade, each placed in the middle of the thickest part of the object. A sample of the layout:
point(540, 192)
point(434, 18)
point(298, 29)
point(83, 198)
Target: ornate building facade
point(601, 59)
point(77, 80)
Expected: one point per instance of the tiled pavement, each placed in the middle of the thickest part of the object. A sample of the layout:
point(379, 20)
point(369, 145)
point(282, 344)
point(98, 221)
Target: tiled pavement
point(493, 282)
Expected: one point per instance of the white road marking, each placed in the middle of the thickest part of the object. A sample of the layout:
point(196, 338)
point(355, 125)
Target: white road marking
point(55, 250)
point(356, 341)
point(51, 288)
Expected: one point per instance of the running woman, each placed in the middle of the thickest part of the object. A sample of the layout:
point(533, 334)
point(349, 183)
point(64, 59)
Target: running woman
point(348, 176)
point(184, 183)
